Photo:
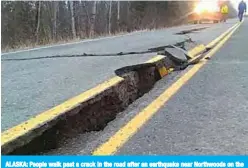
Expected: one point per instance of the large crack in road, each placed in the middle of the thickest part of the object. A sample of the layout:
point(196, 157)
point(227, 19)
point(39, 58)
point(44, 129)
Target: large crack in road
point(184, 45)
point(181, 44)
point(139, 79)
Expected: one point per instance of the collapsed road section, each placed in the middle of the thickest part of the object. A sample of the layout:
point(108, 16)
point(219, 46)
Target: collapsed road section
point(93, 109)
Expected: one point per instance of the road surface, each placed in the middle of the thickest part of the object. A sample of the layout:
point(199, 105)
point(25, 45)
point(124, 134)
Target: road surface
point(32, 86)
point(207, 115)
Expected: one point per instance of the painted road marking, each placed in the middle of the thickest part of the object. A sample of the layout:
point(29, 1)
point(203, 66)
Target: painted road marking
point(214, 42)
point(155, 59)
point(126, 132)
point(196, 51)
point(25, 127)
point(163, 71)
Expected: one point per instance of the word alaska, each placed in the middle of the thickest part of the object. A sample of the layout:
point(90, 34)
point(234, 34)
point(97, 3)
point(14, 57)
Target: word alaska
point(26, 164)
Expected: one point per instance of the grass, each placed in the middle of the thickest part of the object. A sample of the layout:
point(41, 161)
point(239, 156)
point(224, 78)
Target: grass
point(62, 41)
point(30, 45)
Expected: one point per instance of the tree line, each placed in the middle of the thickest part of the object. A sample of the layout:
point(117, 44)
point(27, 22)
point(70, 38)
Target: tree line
point(42, 22)
point(27, 23)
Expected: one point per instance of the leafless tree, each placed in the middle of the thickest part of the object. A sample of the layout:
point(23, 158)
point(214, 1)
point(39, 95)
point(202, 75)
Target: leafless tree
point(118, 15)
point(55, 7)
point(72, 20)
point(27, 22)
point(110, 14)
point(92, 20)
point(38, 22)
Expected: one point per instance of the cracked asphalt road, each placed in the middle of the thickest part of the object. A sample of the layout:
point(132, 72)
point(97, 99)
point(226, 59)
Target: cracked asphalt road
point(208, 115)
point(33, 86)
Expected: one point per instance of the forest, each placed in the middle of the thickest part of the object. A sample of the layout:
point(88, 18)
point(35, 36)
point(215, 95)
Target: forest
point(32, 23)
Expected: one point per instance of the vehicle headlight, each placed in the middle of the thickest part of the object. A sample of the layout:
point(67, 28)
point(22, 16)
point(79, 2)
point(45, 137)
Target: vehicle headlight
point(206, 6)
point(199, 9)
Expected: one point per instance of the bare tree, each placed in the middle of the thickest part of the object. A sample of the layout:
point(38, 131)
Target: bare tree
point(25, 22)
point(118, 15)
point(128, 17)
point(72, 20)
point(55, 7)
point(88, 19)
point(93, 18)
point(110, 13)
point(38, 22)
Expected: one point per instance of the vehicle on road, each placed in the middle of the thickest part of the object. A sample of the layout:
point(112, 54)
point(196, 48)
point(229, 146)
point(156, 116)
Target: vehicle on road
point(206, 11)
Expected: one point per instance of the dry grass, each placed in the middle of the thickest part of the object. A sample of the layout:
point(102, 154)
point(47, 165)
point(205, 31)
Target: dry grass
point(63, 41)
point(29, 45)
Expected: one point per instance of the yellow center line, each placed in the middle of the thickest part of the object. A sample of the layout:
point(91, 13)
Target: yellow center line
point(25, 127)
point(48, 115)
point(126, 132)
point(214, 42)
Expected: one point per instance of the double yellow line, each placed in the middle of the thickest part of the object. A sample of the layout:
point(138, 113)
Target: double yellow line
point(127, 131)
